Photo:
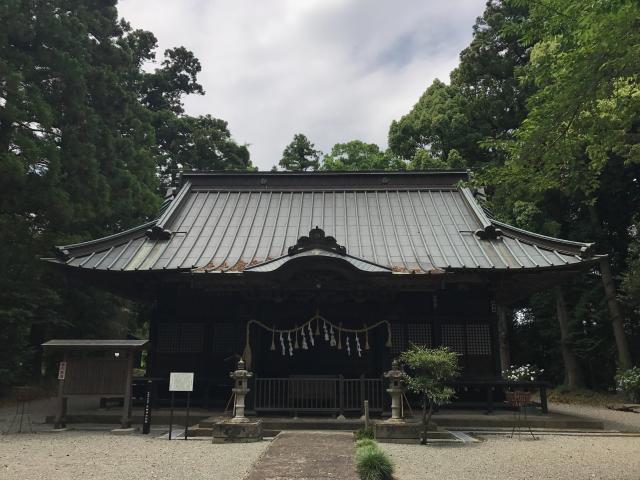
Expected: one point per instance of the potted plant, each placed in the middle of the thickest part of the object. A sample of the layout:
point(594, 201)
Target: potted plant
point(519, 395)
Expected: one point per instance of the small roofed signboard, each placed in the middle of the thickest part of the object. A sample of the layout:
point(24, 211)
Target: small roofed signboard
point(181, 382)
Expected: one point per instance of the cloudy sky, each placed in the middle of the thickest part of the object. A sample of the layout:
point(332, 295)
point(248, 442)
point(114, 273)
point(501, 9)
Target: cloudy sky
point(335, 70)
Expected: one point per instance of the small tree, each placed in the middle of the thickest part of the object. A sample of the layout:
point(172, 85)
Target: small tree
point(428, 371)
point(300, 155)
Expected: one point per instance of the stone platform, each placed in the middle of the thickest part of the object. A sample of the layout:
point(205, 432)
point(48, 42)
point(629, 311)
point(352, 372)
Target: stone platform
point(225, 431)
point(407, 432)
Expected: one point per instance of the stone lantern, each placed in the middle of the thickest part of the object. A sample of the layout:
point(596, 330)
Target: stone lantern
point(396, 389)
point(241, 388)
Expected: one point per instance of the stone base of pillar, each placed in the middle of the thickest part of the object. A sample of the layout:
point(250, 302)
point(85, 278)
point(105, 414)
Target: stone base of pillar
point(227, 431)
point(394, 420)
point(239, 420)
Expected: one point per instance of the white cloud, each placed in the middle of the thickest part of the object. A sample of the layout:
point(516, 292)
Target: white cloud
point(335, 70)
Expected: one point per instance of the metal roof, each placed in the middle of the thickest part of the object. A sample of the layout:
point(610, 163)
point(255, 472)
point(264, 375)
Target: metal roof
point(418, 222)
point(96, 344)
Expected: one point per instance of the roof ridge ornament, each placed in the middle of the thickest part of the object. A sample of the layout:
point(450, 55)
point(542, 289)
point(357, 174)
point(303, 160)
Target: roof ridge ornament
point(317, 239)
point(490, 232)
point(158, 233)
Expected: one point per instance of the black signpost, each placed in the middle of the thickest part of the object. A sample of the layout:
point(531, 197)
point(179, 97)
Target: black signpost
point(146, 421)
point(186, 422)
point(171, 416)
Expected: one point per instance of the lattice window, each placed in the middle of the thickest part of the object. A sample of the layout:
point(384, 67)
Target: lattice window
point(180, 337)
point(453, 337)
point(226, 337)
point(478, 339)
point(403, 335)
point(419, 334)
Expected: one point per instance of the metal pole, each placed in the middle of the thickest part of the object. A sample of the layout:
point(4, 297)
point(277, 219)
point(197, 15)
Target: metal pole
point(186, 426)
point(171, 417)
point(366, 414)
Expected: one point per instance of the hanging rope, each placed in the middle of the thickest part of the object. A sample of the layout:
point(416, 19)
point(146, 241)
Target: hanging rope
point(329, 336)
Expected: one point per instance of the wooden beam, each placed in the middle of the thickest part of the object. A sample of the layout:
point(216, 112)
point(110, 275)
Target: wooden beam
point(503, 338)
point(126, 405)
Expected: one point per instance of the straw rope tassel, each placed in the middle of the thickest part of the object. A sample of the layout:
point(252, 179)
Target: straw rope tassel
point(366, 337)
point(273, 339)
point(296, 345)
point(340, 337)
point(311, 339)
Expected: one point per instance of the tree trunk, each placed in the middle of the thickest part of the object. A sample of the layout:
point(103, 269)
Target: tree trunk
point(503, 337)
point(426, 418)
point(624, 357)
point(572, 372)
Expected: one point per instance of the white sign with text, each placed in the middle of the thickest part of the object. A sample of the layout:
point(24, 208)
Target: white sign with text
point(181, 382)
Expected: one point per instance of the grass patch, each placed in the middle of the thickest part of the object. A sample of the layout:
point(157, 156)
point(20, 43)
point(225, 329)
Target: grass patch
point(592, 398)
point(364, 433)
point(365, 442)
point(371, 462)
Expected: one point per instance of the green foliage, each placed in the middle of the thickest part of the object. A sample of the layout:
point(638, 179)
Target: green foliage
point(363, 433)
point(357, 156)
point(584, 63)
point(628, 382)
point(196, 143)
point(300, 155)
point(631, 280)
point(372, 463)
point(429, 370)
point(365, 442)
point(436, 125)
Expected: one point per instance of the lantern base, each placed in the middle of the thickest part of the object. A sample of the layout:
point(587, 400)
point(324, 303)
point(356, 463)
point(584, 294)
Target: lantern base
point(227, 431)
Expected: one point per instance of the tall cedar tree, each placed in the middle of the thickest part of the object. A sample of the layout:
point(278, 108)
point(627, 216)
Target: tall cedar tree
point(79, 158)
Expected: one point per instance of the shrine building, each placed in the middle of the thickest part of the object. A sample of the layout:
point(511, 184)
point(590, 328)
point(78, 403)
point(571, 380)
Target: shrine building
point(319, 280)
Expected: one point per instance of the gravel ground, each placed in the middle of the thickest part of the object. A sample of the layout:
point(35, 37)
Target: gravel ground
point(613, 419)
point(551, 457)
point(102, 455)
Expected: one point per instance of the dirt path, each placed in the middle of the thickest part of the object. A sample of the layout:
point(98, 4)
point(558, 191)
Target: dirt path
point(304, 455)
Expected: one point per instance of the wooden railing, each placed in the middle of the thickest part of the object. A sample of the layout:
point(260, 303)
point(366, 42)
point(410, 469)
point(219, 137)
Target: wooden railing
point(317, 394)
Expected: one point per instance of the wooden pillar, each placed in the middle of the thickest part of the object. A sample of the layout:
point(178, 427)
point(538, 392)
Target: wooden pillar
point(61, 417)
point(624, 357)
point(503, 338)
point(126, 405)
point(572, 374)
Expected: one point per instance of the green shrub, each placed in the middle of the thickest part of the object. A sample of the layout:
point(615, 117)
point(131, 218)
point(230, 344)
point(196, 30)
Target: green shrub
point(628, 382)
point(366, 442)
point(364, 433)
point(373, 464)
